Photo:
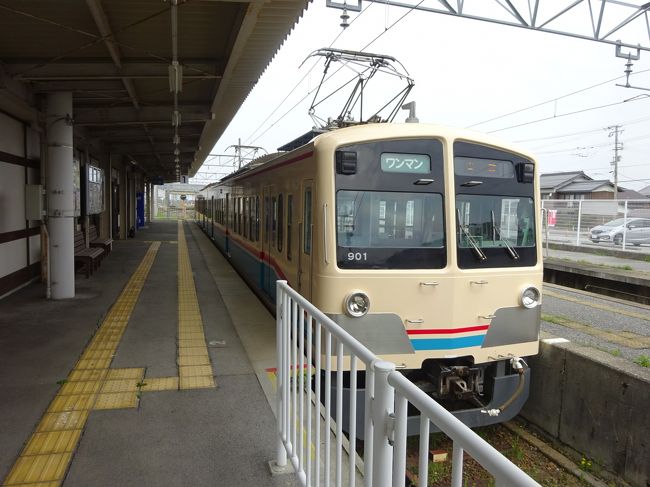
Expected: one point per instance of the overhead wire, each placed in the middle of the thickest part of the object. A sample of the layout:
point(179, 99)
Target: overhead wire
point(555, 99)
point(564, 115)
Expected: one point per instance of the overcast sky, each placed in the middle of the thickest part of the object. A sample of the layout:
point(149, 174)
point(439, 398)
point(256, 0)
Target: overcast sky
point(467, 72)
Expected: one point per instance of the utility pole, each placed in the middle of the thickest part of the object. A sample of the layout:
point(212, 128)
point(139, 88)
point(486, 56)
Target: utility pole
point(238, 151)
point(615, 131)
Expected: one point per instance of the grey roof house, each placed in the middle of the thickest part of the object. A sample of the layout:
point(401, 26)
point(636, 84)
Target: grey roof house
point(575, 185)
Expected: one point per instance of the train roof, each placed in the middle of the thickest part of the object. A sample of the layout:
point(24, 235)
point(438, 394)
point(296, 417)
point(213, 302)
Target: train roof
point(375, 131)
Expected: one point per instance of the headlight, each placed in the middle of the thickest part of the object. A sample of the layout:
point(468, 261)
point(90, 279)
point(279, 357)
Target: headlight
point(356, 304)
point(530, 297)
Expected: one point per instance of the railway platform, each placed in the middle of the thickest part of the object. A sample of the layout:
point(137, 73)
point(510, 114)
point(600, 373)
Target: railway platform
point(591, 270)
point(141, 379)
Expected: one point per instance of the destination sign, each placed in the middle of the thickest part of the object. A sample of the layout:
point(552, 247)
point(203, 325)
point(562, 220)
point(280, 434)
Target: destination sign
point(405, 163)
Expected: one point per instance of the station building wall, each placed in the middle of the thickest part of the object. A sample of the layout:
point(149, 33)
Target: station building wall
point(20, 242)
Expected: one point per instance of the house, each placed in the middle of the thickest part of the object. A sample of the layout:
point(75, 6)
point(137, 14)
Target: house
point(575, 185)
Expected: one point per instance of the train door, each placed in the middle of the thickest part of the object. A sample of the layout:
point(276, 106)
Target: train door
point(212, 217)
point(306, 231)
point(228, 224)
point(267, 240)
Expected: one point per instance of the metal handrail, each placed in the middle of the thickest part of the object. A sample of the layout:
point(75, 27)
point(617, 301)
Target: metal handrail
point(303, 334)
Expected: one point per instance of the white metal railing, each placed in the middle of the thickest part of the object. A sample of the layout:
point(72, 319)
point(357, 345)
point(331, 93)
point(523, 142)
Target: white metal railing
point(570, 221)
point(307, 341)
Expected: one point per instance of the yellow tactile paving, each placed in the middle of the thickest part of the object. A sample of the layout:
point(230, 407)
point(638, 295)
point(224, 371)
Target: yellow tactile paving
point(53, 442)
point(93, 364)
point(133, 373)
point(200, 342)
point(45, 459)
point(160, 384)
point(65, 420)
point(74, 388)
point(54, 483)
point(184, 361)
point(194, 368)
point(195, 371)
point(76, 402)
point(204, 382)
point(38, 468)
point(118, 400)
point(121, 385)
point(193, 351)
point(87, 375)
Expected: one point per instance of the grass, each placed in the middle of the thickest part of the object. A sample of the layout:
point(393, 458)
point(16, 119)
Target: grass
point(625, 267)
point(615, 352)
point(585, 464)
point(642, 360)
point(515, 451)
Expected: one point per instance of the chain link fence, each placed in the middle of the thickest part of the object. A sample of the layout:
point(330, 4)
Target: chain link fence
point(175, 213)
point(620, 224)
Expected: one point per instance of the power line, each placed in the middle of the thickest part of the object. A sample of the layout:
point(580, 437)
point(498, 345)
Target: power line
point(554, 99)
point(566, 114)
point(550, 137)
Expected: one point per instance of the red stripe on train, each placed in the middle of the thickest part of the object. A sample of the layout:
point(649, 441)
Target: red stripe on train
point(443, 331)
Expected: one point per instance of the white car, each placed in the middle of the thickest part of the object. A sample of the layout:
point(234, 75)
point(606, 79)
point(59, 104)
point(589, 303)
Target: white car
point(638, 231)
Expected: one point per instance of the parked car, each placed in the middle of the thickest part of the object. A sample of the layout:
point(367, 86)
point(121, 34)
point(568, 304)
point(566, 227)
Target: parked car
point(638, 231)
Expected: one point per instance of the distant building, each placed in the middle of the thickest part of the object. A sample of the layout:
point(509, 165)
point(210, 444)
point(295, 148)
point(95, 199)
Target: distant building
point(645, 191)
point(576, 185)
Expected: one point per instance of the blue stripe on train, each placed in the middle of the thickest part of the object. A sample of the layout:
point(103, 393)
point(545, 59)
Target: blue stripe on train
point(256, 271)
point(447, 343)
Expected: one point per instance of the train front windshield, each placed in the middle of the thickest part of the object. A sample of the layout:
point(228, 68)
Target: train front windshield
point(390, 205)
point(380, 219)
point(495, 211)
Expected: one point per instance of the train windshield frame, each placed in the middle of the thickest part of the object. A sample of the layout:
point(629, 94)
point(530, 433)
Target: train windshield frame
point(495, 208)
point(390, 220)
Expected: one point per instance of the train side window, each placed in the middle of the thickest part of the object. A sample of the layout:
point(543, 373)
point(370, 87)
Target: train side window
point(280, 221)
point(289, 223)
point(307, 220)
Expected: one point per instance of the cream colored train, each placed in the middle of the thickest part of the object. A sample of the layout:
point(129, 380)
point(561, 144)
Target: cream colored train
point(421, 240)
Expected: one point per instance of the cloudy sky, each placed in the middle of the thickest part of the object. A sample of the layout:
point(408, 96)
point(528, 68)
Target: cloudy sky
point(466, 73)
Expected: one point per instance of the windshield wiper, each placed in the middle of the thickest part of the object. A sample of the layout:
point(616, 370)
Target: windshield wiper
point(479, 253)
point(511, 250)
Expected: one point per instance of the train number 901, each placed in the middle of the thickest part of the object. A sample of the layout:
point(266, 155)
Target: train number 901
point(357, 256)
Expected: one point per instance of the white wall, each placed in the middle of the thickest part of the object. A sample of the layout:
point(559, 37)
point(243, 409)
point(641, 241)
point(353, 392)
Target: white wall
point(14, 254)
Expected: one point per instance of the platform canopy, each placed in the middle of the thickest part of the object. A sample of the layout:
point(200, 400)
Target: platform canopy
point(154, 80)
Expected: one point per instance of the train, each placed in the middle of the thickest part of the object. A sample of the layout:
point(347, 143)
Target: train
point(422, 241)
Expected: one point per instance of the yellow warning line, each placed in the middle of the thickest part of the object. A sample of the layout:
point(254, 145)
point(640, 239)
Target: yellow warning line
point(90, 385)
point(194, 369)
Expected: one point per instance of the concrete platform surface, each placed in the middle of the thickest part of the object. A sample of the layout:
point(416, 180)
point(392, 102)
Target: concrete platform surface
point(221, 432)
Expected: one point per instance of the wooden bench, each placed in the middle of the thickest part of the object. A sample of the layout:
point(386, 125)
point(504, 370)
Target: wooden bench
point(88, 258)
point(95, 241)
